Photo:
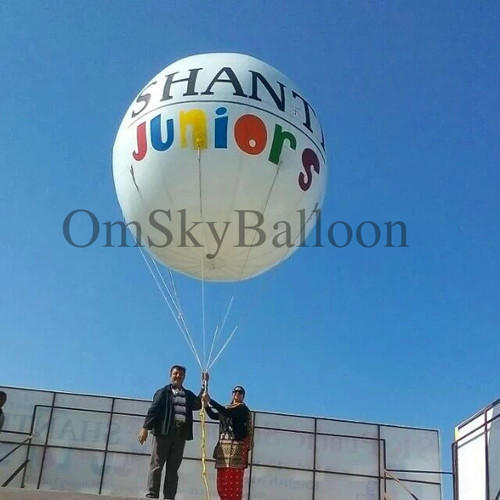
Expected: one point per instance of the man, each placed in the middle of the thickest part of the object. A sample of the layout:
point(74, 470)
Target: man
point(170, 417)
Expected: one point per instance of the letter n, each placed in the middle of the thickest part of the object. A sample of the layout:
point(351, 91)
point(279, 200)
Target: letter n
point(197, 120)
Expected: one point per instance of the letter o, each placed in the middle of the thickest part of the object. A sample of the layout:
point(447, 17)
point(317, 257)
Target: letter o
point(67, 232)
point(331, 235)
point(251, 134)
point(359, 235)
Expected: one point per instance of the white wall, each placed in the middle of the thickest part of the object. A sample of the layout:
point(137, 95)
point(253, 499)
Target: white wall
point(477, 442)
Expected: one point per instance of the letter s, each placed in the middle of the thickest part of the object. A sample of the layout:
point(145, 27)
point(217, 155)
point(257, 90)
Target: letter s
point(144, 98)
point(309, 159)
point(161, 228)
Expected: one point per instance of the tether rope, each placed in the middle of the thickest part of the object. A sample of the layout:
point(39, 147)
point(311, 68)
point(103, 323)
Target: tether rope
point(266, 203)
point(231, 335)
point(202, 263)
point(172, 293)
point(203, 312)
point(217, 330)
point(185, 334)
point(386, 495)
point(263, 211)
point(203, 443)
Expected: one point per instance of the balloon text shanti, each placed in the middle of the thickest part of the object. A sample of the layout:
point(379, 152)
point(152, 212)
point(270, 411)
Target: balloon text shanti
point(249, 131)
point(286, 99)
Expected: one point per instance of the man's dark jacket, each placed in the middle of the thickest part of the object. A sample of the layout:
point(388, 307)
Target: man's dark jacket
point(161, 414)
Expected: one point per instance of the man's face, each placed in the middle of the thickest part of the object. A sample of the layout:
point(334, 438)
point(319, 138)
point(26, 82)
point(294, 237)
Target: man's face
point(177, 377)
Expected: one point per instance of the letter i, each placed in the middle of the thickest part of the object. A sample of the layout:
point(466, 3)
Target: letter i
point(221, 128)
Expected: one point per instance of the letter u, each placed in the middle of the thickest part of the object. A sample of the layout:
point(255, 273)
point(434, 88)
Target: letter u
point(156, 140)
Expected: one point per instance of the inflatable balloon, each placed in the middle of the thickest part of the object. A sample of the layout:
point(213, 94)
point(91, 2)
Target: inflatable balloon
point(219, 166)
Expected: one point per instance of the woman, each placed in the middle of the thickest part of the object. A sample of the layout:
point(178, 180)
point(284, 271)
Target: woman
point(231, 451)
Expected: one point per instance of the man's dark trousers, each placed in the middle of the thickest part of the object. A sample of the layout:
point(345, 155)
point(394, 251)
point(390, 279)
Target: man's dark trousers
point(166, 449)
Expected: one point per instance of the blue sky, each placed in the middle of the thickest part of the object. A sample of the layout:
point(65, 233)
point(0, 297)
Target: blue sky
point(407, 93)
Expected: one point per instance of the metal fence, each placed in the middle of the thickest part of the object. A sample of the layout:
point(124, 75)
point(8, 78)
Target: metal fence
point(89, 444)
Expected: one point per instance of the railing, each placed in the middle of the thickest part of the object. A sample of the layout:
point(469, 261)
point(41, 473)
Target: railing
point(382, 475)
point(24, 464)
point(41, 462)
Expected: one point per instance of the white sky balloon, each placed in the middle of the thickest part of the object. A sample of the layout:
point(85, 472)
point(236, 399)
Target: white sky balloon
point(219, 163)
